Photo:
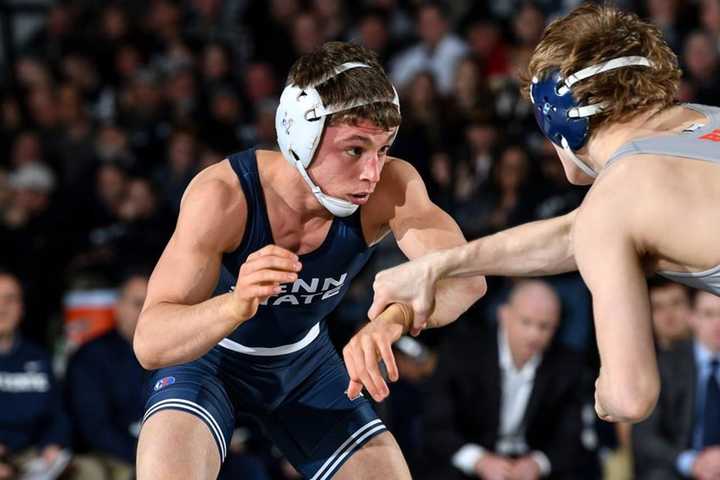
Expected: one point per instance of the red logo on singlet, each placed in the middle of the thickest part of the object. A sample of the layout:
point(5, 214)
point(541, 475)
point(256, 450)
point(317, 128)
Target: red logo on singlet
point(713, 136)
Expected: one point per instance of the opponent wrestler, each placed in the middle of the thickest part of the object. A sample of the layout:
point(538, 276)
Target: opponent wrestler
point(604, 84)
point(265, 247)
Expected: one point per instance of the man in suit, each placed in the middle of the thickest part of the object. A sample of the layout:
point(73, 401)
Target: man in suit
point(503, 404)
point(681, 439)
point(670, 305)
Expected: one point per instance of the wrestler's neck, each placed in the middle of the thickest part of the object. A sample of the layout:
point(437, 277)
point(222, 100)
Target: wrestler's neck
point(284, 185)
point(608, 139)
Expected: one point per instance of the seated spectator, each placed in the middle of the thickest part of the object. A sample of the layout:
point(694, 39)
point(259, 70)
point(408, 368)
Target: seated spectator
point(670, 304)
point(502, 403)
point(681, 438)
point(438, 51)
point(34, 430)
point(104, 383)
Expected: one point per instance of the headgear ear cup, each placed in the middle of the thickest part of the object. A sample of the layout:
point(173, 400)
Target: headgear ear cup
point(562, 119)
point(299, 123)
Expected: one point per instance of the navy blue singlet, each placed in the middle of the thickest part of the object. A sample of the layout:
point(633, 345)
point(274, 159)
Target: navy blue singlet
point(280, 366)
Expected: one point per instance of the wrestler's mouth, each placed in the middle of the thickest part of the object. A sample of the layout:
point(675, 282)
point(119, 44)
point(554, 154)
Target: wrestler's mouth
point(359, 198)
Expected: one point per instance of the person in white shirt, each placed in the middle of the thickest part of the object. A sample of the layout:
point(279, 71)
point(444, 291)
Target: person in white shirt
point(438, 52)
point(504, 405)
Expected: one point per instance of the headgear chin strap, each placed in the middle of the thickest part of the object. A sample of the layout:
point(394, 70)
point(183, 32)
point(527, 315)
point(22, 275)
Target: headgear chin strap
point(562, 119)
point(299, 123)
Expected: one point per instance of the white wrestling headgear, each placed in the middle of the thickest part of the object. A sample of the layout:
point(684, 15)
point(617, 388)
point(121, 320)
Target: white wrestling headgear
point(561, 118)
point(299, 123)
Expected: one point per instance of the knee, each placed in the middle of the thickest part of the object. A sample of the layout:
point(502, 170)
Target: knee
point(176, 445)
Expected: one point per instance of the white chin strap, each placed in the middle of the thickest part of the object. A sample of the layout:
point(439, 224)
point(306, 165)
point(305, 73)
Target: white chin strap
point(300, 122)
point(586, 169)
point(336, 206)
point(589, 110)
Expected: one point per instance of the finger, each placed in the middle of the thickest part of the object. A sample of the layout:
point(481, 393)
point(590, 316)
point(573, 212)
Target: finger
point(271, 262)
point(420, 316)
point(361, 370)
point(277, 251)
point(388, 357)
point(261, 292)
point(354, 386)
point(354, 389)
point(380, 390)
point(268, 276)
point(378, 306)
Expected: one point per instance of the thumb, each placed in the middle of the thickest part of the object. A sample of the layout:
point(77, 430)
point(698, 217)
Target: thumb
point(378, 306)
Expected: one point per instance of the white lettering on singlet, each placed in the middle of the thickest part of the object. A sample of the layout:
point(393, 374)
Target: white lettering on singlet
point(24, 382)
point(305, 292)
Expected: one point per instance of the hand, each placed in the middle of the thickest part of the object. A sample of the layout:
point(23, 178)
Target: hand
point(525, 468)
point(260, 277)
point(493, 467)
point(371, 344)
point(707, 464)
point(413, 284)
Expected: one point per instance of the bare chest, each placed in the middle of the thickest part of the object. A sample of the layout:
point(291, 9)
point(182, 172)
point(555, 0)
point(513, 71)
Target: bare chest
point(299, 237)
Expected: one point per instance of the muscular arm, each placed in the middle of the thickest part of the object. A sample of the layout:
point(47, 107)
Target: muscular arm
point(179, 322)
point(533, 249)
point(537, 248)
point(420, 227)
point(609, 254)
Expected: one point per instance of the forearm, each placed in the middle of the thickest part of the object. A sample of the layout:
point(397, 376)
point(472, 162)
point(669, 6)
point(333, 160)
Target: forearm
point(453, 297)
point(533, 249)
point(169, 334)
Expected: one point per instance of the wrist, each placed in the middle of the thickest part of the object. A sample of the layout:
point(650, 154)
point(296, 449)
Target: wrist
point(396, 324)
point(231, 311)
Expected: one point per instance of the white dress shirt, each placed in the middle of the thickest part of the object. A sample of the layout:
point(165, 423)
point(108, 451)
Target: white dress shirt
point(516, 385)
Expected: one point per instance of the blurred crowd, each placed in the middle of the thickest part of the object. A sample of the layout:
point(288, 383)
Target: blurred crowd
point(108, 109)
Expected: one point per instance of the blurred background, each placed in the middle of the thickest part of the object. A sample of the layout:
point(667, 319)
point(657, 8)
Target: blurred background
point(109, 108)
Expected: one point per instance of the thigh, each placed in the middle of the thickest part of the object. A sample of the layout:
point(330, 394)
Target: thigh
point(317, 427)
point(187, 425)
point(379, 458)
point(175, 444)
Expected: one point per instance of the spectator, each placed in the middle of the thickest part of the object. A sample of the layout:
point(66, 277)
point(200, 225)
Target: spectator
point(670, 303)
point(438, 51)
point(681, 438)
point(703, 74)
point(104, 384)
point(374, 33)
point(503, 404)
point(34, 429)
point(505, 200)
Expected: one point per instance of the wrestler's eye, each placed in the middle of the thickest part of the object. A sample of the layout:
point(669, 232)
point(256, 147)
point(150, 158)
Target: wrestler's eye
point(354, 151)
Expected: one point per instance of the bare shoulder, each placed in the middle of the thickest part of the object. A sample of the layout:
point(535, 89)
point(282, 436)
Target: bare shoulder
point(398, 191)
point(641, 197)
point(213, 208)
point(397, 177)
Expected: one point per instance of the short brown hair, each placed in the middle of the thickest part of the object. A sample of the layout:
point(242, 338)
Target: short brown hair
point(351, 85)
point(592, 34)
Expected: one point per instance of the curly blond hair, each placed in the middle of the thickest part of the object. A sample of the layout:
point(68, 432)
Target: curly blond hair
point(592, 34)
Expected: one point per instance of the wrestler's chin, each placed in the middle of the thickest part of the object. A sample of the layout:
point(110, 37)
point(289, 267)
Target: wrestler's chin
point(574, 175)
point(579, 178)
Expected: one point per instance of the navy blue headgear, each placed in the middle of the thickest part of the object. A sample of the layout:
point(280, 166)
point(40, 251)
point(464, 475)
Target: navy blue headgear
point(552, 105)
point(562, 119)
